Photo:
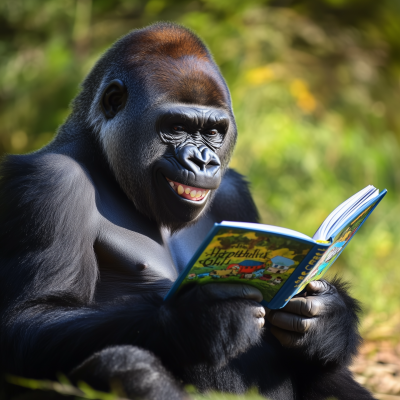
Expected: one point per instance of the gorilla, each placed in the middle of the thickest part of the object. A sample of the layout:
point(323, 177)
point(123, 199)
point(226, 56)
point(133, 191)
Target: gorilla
point(96, 226)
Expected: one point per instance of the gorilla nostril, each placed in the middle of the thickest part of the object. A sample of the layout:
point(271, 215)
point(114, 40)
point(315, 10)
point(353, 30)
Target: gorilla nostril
point(199, 162)
point(204, 163)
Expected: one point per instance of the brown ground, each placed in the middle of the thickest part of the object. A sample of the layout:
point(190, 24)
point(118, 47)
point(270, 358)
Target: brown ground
point(378, 368)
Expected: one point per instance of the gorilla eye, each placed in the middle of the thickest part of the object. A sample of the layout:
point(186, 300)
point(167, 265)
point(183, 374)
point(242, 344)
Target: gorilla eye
point(178, 128)
point(212, 132)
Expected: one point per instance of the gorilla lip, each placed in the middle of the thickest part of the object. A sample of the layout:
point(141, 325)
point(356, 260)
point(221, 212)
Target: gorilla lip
point(188, 192)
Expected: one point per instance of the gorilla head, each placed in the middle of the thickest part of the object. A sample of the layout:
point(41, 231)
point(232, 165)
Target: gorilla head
point(162, 112)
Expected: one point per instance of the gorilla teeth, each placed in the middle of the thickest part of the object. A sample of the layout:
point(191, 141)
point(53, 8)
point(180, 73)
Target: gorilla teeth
point(188, 192)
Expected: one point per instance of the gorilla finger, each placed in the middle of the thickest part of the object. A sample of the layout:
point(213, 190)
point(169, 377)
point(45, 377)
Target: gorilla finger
point(252, 293)
point(290, 322)
point(228, 290)
point(259, 313)
point(317, 287)
point(286, 339)
point(267, 311)
point(305, 306)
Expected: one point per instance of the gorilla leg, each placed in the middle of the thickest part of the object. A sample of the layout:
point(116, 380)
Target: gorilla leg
point(133, 372)
point(262, 367)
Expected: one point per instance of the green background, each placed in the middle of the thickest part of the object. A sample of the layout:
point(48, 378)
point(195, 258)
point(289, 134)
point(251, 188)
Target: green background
point(315, 88)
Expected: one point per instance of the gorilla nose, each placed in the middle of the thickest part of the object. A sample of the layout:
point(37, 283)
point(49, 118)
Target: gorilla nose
point(199, 159)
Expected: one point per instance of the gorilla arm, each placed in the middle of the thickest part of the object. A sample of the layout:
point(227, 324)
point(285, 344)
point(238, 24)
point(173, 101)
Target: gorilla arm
point(48, 275)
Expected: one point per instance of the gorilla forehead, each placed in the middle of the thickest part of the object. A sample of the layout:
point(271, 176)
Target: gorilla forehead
point(172, 62)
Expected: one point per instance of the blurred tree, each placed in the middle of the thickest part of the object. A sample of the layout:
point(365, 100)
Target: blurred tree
point(340, 54)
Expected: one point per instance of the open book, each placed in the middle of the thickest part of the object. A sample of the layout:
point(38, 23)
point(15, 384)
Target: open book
point(279, 262)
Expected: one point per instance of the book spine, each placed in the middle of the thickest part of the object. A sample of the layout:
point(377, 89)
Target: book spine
point(292, 285)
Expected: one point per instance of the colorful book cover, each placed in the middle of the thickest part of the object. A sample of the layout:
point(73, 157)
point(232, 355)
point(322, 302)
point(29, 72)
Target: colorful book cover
point(277, 261)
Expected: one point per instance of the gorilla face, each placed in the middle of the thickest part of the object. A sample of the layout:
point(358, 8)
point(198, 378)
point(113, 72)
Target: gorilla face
point(190, 168)
point(167, 127)
point(181, 146)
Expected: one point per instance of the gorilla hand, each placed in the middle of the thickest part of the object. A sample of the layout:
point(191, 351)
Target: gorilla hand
point(322, 325)
point(227, 291)
point(300, 314)
point(213, 323)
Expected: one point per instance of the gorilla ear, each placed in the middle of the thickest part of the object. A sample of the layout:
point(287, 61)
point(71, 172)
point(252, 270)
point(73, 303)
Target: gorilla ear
point(114, 98)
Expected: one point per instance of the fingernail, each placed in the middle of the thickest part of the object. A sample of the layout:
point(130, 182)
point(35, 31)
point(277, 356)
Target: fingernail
point(261, 313)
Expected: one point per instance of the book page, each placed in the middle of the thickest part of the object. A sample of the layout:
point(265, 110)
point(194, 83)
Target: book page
point(344, 211)
point(261, 259)
point(267, 228)
point(339, 242)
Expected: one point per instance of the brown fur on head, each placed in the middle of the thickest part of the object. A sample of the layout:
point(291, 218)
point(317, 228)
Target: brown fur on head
point(175, 61)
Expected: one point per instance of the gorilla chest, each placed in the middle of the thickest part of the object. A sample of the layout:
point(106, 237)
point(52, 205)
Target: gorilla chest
point(132, 260)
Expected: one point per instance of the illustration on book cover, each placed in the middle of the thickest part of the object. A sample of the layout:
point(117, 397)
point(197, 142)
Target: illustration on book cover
point(236, 255)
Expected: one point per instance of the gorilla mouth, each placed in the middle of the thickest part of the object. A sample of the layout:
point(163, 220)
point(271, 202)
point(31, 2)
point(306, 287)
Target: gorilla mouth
point(188, 192)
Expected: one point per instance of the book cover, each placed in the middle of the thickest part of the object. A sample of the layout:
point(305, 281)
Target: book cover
point(277, 261)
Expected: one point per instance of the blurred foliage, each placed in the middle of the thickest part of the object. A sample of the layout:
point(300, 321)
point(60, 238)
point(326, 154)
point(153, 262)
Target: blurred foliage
point(315, 88)
point(63, 389)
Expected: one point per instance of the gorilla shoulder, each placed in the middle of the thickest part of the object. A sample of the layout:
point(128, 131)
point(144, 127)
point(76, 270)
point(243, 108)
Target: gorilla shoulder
point(233, 201)
point(44, 189)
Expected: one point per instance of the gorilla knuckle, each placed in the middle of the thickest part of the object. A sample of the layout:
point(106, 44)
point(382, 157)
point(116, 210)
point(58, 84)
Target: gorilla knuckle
point(245, 291)
point(301, 325)
point(259, 312)
point(272, 317)
point(308, 308)
point(314, 307)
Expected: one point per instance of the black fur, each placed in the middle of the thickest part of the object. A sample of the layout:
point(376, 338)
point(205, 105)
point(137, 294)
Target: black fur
point(85, 256)
point(106, 370)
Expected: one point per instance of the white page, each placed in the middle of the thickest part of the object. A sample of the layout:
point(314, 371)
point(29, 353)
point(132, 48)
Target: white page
point(267, 228)
point(344, 211)
point(353, 210)
point(333, 216)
